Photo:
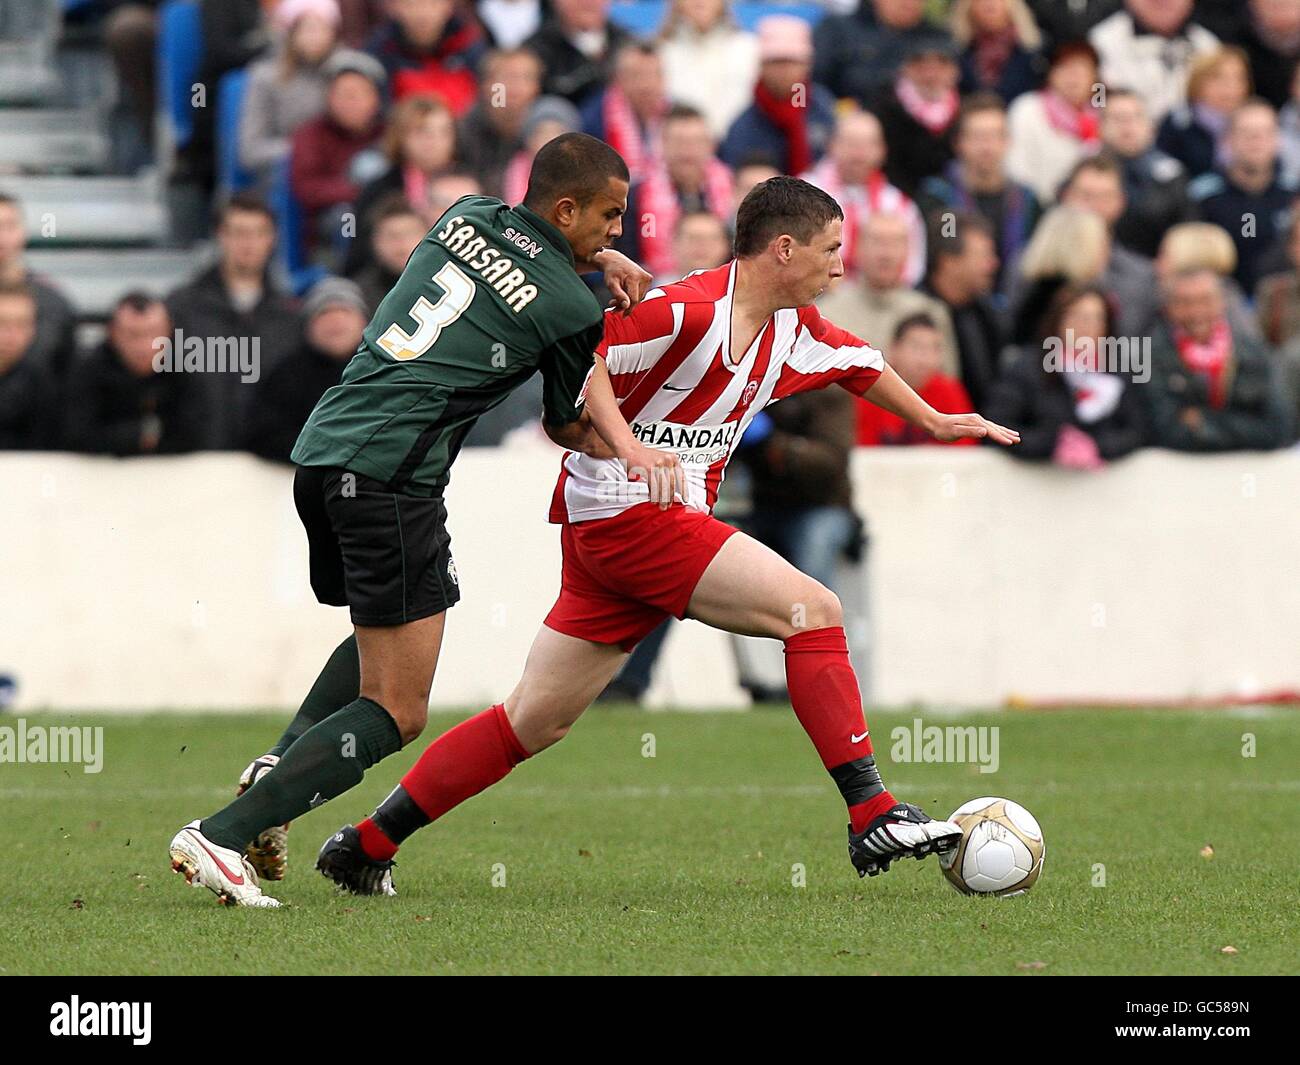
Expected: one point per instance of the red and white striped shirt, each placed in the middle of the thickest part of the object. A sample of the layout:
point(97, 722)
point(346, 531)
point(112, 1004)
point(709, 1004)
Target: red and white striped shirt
point(670, 367)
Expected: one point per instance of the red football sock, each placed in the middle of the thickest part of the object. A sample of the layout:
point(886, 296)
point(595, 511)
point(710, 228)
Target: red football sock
point(824, 693)
point(458, 765)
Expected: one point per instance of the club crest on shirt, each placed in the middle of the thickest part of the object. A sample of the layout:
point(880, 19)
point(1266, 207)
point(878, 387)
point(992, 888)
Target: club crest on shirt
point(747, 397)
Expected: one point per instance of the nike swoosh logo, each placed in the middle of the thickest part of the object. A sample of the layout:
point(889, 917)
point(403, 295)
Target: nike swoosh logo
point(233, 878)
point(859, 739)
point(677, 388)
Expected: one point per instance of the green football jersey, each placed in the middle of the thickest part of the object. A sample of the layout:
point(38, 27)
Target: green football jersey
point(487, 299)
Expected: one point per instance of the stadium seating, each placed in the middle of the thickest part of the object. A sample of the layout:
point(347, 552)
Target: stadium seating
point(90, 209)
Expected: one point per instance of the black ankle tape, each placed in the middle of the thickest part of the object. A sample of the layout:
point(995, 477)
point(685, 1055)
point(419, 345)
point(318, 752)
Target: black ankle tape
point(858, 780)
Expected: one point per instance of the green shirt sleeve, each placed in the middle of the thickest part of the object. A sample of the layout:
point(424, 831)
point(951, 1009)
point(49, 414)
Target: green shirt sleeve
point(565, 366)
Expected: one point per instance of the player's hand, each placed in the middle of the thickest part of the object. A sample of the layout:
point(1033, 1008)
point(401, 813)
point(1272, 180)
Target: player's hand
point(626, 281)
point(950, 427)
point(661, 470)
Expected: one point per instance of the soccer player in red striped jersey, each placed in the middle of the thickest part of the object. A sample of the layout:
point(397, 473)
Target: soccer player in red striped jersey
point(690, 368)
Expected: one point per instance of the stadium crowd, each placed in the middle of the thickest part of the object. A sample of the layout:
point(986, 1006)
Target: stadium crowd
point(1078, 218)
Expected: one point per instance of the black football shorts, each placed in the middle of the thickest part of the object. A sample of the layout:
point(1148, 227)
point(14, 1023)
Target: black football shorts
point(384, 555)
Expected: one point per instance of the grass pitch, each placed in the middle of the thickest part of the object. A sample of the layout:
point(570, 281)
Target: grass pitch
point(686, 862)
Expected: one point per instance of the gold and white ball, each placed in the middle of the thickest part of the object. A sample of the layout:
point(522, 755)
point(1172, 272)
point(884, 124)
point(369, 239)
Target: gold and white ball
point(1001, 850)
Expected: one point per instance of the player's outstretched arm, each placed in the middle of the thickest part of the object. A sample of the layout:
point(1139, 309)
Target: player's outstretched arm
point(895, 395)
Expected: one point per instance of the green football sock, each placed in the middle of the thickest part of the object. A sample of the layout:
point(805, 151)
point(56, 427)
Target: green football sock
point(338, 684)
point(330, 758)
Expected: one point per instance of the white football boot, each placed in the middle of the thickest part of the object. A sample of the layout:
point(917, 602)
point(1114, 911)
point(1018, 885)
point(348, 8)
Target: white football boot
point(224, 872)
point(269, 853)
point(904, 831)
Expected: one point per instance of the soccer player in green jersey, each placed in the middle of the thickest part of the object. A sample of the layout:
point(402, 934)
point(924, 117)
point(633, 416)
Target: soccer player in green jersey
point(490, 297)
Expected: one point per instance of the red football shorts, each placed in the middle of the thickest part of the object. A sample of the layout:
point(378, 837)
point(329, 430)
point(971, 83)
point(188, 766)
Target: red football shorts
point(623, 575)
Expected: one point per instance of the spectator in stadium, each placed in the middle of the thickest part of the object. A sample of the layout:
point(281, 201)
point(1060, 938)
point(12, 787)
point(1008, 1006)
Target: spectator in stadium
point(1271, 37)
point(797, 452)
point(1155, 184)
point(361, 18)
point(1071, 406)
point(233, 33)
point(750, 171)
point(858, 55)
point(1194, 133)
point(548, 118)
point(710, 63)
point(335, 314)
point(1069, 246)
point(1277, 299)
point(1288, 120)
point(628, 114)
point(493, 131)
point(54, 346)
point(790, 121)
point(852, 171)
point(999, 45)
point(916, 352)
point(420, 144)
point(286, 88)
point(395, 228)
point(687, 177)
point(1249, 197)
point(701, 241)
point(446, 190)
point(1211, 389)
point(1148, 48)
point(118, 404)
point(918, 112)
point(963, 265)
point(577, 43)
point(1097, 185)
point(872, 302)
point(131, 39)
point(1203, 246)
point(1070, 21)
point(977, 179)
point(508, 23)
point(429, 47)
point(330, 158)
point(236, 298)
point(1054, 128)
point(29, 411)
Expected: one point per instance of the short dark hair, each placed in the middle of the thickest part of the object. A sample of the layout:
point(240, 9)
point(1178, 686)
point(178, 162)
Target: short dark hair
point(1066, 297)
point(947, 232)
point(686, 216)
point(137, 300)
point(573, 164)
point(394, 205)
point(683, 113)
point(1102, 163)
point(782, 205)
point(247, 202)
point(919, 320)
point(979, 103)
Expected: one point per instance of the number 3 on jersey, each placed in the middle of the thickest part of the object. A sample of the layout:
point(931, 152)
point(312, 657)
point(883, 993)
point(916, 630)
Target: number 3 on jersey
point(457, 294)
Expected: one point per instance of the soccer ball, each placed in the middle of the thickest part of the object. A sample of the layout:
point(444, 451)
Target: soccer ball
point(1001, 850)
